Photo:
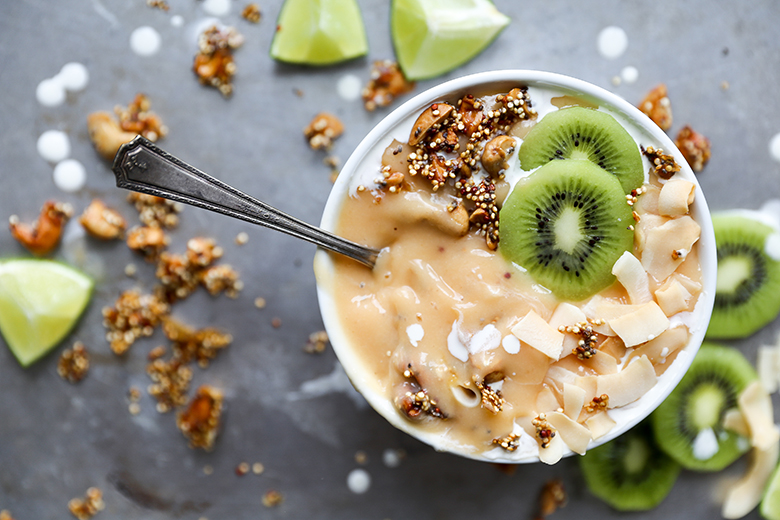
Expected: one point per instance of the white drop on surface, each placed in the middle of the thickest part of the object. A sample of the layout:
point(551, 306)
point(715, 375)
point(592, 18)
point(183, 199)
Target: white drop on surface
point(612, 42)
point(415, 332)
point(705, 445)
point(629, 74)
point(73, 76)
point(50, 92)
point(177, 20)
point(358, 481)
point(774, 147)
point(511, 344)
point(217, 7)
point(391, 458)
point(70, 175)
point(455, 345)
point(145, 41)
point(53, 146)
point(349, 87)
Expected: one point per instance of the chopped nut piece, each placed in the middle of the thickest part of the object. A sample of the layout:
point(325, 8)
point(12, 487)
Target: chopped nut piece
point(551, 497)
point(102, 222)
point(323, 130)
point(664, 165)
point(43, 235)
point(170, 383)
point(200, 421)
point(73, 364)
point(195, 345)
point(106, 134)
point(429, 122)
point(214, 63)
point(155, 211)
point(147, 240)
point(694, 147)
point(251, 13)
point(387, 82)
point(87, 507)
point(317, 342)
point(221, 278)
point(272, 498)
point(494, 156)
point(657, 107)
point(133, 316)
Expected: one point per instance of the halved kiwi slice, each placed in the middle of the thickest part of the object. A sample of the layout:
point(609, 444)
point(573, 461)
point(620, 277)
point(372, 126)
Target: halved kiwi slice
point(747, 294)
point(567, 223)
point(630, 473)
point(584, 133)
point(688, 425)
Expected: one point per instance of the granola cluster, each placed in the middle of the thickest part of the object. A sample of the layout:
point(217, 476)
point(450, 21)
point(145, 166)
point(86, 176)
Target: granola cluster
point(73, 364)
point(87, 507)
point(252, 13)
point(323, 130)
point(214, 65)
point(109, 131)
point(199, 422)
point(387, 83)
point(134, 315)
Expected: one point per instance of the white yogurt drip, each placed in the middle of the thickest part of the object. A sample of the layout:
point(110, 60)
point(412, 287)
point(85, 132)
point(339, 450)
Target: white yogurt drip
point(488, 338)
point(177, 20)
point(455, 345)
point(629, 74)
point(53, 146)
point(415, 332)
point(511, 344)
point(391, 458)
point(50, 93)
point(145, 41)
point(349, 87)
point(74, 77)
point(612, 42)
point(774, 147)
point(70, 175)
point(217, 7)
point(358, 481)
point(705, 445)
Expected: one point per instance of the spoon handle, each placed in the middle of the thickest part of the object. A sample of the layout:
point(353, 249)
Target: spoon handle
point(142, 166)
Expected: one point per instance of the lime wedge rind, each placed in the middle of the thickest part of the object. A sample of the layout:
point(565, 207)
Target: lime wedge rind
point(432, 37)
point(40, 303)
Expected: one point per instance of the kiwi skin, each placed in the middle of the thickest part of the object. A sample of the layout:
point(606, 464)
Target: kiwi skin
point(584, 133)
point(630, 473)
point(715, 368)
point(530, 235)
point(742, 309)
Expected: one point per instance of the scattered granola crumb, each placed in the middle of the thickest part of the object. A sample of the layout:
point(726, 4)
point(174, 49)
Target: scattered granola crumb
point(361, 457)
point(86, 508)
point(242, 469)
point(724, 85)
point(102, 222)
point(134, 408)
point(208, 469)
point(170, 383)
point(544, 430)
point(5, 514)
point(242, 238)
point(656, 106)
point(133, 316)
point(251, 13)
point(551, 497)
point(260, 303)
point(195, 345)
point(276, 322)
point(131, 270)
point(214, 63)
point(200, 421)
point(317, 342)
point(387, 82)
point(155, 211)
point(73, 364)
point(272, 498)
point(323, 130)
point(147, 240)
point(158, 4)
point(221, 278)
point(257, 468)
point(694, 147)
point(298, 92)
point(664, 165)
point(43, 235)
point(600, 402)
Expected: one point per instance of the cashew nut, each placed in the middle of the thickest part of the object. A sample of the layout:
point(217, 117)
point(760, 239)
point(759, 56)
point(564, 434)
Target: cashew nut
point(432, 116)
point(495, 154)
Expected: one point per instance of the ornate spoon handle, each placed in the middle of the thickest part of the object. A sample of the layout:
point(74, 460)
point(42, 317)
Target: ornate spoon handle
point(142, 166)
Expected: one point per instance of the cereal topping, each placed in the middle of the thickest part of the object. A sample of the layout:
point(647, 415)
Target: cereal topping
point(89, 506)
point(694, 147)
point(221, 278)
point(323, 130)
point(170, 383)
point(73, 364)
point(600, 402)
point(251, 13)
point(544, 430)
point(587, 345)
point(317, 342)
point(664, 165)
point(43, 235)
point(414, 401)
point(102, 222)
point(510, 443)
point(657, 107)
point(551, 497)
point(491, 398)
point(155, 211)
point(200, 421)
point(214, 63)
point(387, 83)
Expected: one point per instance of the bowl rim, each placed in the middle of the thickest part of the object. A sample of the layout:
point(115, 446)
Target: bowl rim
point(497, 81)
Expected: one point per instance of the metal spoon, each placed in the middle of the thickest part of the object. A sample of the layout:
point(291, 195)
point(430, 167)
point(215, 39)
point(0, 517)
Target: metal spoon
point(142, 166)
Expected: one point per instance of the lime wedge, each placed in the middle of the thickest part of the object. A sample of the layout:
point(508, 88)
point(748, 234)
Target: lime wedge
point(432, 37)
point(319, 32)
point(770, 504)
point(40, 301)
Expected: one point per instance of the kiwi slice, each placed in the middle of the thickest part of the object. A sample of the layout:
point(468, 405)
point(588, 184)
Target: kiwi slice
point(747, 294)
point(567, 223)
point(584, 133)
point(688, 425)
point(630, 473)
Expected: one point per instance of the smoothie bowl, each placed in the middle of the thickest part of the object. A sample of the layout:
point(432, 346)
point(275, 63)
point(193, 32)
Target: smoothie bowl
point(547, 269)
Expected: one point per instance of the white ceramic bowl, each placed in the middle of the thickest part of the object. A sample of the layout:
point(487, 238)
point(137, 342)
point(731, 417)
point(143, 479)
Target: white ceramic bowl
point(398, 123)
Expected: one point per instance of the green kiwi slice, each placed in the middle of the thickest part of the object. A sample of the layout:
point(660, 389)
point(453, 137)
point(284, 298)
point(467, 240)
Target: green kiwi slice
point(747, 295)
point(688, 425)
point(566, 224)
point(584, 133)
point(630, 473)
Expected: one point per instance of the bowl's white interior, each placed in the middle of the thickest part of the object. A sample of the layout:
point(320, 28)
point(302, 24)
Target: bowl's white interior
point(501, 81)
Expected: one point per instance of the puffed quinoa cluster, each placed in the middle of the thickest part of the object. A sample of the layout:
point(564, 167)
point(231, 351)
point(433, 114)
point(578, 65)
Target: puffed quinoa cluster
point(214, 65)
point(657, 106)
point(200, 346)
point(251, 13)
point(87, 507)
point(387, 83)
point(134, 315)
point(73, 364)
point(323, 130)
